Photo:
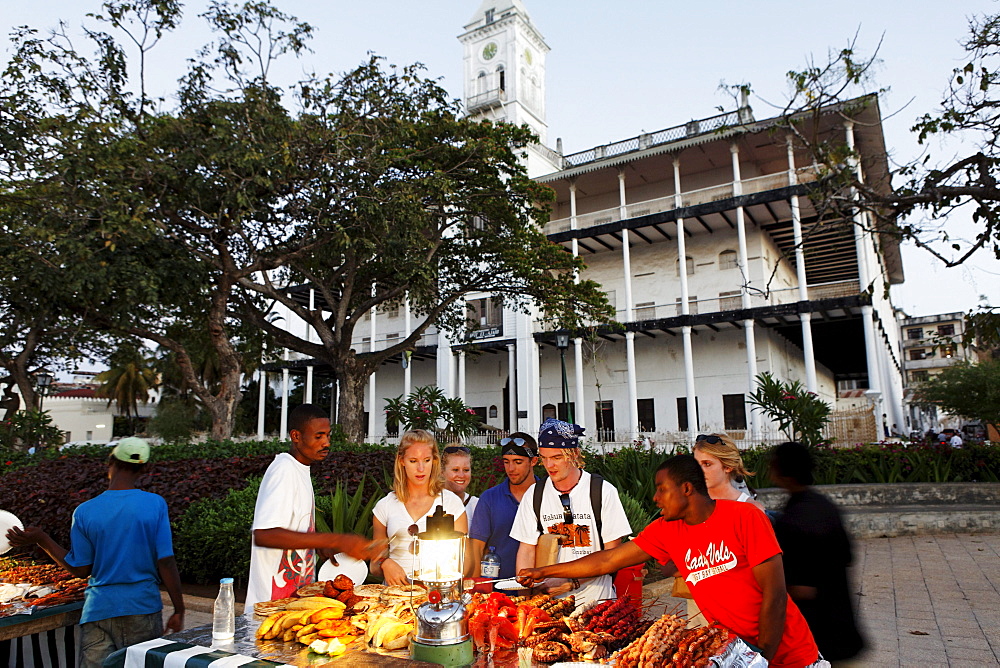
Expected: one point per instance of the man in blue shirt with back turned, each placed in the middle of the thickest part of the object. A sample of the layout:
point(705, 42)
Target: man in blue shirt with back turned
point(497, 507)
point(121, 541)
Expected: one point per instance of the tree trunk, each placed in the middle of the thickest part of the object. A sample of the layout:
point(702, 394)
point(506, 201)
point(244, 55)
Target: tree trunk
point(353, 377)
point(222, 406)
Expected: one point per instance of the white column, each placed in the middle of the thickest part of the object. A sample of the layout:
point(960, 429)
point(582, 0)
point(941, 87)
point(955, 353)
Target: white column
point(335, 404)
point(800, 270)
point(528, 374)
point(572, 222)
point(579, 412)
point(309, 335)
point(748, 326)
point(373, 332)
point(633, 399)
point(262, 395)
point(461, 375)
point(445, 365)
point(867, 312)
point(407, 372)
point(689, 390)
point(512, 385)
point(283, 430)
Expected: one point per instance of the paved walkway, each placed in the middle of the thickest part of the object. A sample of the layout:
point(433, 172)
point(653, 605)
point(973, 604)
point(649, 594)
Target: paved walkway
point(923, 600)
point(930, 600)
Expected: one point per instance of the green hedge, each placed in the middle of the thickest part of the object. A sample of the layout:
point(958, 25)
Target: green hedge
point(633, 469)
point(212, 537)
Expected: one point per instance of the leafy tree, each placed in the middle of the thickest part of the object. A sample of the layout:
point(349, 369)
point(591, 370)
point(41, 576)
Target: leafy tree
point(969, 390)
point(801, 415)
point(402, 198)
point(129, 380)
point(106, 188)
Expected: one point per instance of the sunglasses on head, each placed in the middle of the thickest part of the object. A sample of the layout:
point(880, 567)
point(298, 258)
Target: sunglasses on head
point(708, 438)
point(519, 442)
point(452, 449)
point(567, 511)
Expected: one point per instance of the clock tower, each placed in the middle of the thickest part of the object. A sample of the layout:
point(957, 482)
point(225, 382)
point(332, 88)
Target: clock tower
point(505, 73)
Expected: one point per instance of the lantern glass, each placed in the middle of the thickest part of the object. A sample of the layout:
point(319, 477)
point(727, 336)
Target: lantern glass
point(440, 559)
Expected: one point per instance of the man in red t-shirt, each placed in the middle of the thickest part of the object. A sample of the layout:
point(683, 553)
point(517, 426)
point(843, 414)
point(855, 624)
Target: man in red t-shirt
point(727, 553)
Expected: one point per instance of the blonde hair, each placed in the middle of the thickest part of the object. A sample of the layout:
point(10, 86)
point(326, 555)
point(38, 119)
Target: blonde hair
point(435, 482)
point(727, 453)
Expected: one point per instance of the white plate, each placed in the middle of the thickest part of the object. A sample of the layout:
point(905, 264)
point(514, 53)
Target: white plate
point(509, 584)
point(7, 521)
point(353, 568)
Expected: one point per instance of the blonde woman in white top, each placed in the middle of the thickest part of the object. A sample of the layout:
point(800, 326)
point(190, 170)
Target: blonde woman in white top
point(417, 490)
point(456, 462)
point(723, 467)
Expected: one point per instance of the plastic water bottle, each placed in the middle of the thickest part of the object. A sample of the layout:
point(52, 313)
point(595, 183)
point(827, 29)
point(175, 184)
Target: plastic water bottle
point(490, 565)
point(224, 612)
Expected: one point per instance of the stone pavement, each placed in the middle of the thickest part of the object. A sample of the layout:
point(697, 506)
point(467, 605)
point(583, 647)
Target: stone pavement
point(930, 600)
point(923, 600)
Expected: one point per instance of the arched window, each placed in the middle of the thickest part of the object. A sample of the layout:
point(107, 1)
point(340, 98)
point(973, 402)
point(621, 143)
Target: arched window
point(690, 266)
point(501, 78)
point(481, 83)
point(728, 260)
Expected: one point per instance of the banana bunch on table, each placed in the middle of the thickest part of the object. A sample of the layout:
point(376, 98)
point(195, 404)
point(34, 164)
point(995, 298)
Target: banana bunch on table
point(307, 620)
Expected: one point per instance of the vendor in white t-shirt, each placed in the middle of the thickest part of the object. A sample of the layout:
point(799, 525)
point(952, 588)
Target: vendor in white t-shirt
point(282, 554)
point(566, 510)
point(417, 490)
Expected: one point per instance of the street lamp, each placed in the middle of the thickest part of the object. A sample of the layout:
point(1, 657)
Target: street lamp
point(43, 380)
point(562, 343)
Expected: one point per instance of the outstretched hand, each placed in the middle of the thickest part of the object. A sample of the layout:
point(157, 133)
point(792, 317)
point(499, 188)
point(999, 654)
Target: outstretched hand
point(529, 577)
point(360, 547)
point(26, 536)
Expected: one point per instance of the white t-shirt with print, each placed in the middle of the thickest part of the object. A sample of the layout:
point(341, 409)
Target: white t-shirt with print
point(391, 512)
point(614, 525)
point(285, 501)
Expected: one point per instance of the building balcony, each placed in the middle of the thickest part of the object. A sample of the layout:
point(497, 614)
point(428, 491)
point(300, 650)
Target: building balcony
point(491, 99)
point(689, 198)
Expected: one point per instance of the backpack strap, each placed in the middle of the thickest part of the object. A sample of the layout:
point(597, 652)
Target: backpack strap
point(539, 490)
point(596, 501)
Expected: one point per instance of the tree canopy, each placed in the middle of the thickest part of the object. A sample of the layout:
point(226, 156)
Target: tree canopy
point(184, 224)
point(968, 390)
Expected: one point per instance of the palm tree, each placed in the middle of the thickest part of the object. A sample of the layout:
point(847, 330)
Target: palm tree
point(129, 380)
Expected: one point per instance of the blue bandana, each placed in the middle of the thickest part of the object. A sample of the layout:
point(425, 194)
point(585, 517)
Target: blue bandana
point(558, 434)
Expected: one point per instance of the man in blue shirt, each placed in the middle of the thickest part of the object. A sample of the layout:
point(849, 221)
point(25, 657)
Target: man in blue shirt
point(497, 507)
point(120, 540)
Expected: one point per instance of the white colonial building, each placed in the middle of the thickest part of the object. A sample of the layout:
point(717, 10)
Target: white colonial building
point(710, 246)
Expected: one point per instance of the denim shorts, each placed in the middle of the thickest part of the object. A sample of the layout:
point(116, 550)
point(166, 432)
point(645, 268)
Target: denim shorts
point(101, 638)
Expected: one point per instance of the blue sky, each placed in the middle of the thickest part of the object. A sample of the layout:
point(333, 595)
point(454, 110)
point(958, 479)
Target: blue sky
point(619, 69)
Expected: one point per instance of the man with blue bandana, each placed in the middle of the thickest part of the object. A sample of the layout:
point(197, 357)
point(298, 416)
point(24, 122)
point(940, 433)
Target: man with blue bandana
point(566, 508)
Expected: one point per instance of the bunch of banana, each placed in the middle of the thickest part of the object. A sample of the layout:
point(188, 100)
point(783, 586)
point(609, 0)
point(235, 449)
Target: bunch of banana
point(300, 622)
point(388, 631)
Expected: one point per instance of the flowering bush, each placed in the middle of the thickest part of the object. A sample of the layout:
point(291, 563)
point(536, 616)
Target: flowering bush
point(428, 408)
point(800, 414)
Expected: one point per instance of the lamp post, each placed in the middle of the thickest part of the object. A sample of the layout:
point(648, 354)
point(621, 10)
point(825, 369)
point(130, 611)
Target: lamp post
point(562, 343)
point(43, 380)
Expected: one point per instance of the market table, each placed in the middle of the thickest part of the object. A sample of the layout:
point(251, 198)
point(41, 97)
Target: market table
point(196, 647)
point(46, 638)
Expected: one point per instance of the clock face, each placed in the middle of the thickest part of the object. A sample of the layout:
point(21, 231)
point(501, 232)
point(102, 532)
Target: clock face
point(527, 56)
point(489, 51)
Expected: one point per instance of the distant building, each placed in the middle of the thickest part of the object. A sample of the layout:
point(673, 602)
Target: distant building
point(929, 345)
point(708, 242)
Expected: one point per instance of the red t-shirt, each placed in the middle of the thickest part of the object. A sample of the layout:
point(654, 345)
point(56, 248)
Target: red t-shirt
point(716, 559)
